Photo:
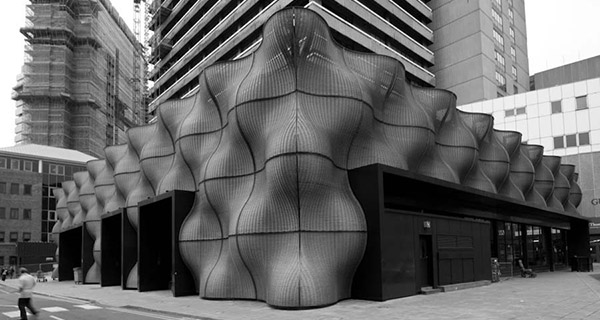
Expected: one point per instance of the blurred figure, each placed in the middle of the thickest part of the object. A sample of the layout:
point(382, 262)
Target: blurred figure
point(26, 284)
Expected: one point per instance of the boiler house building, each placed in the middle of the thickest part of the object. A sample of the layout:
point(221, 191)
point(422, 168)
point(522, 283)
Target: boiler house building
point(306, 173)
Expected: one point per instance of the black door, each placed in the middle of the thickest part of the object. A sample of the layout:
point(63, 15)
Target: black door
point(425, 263)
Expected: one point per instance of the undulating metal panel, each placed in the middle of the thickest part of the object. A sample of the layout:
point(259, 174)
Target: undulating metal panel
point(95, 209)
point(492, 167)
point(544, 180)
point(266, 143)
point(73, 205)
point(179, 175)
point(114, 155)
point(562, 184)
point(553, 164)
point(134, 183)
point(62, 212)
point(518, 164)
point(575, 195)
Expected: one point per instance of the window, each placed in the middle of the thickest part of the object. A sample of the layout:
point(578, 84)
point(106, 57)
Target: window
point(511, 32)
point(514, 72)
point(26, 214)
point(581, 102)
point(57, 169)
point(501, 81)
point(2, 163)
point(584, 138)
point(2, 236)
point(513, 53)
point(499, 2)
point(2, 213)
point(509, 112)
point(515, 89)
point(556, 106)
point(26, 236)
point(2, 187)
point(14, 188)
point(15, 164)
point(559, 142)
point(521, 110)
point(497, 17)
point(511, 15)
point(27, 189)
point(28, 166)
point(14, 237)
point(14, 213)
point(498, 37)
point(52, 215)
point(499, 60)
point(571, 140)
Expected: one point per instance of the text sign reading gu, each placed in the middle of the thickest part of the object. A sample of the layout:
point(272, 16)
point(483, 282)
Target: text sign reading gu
point(596, 201)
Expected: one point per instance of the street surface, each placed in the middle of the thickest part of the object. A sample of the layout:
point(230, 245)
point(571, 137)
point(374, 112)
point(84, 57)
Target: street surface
point(72, 309)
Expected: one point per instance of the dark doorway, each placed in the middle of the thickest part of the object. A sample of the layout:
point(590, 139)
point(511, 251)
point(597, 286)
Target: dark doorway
point(69, 253)
point(160, 265)
point(425, 261)
point(110, 268)
point(155, 246)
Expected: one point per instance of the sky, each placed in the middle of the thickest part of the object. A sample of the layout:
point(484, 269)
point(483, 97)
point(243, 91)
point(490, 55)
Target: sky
point(558, 32)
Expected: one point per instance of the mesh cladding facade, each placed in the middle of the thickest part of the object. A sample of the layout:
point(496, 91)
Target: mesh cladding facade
point(266, 144)
point(77, 87)
point(190, 35)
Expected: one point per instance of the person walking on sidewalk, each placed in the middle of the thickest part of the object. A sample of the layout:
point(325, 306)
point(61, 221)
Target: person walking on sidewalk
point(26, 284)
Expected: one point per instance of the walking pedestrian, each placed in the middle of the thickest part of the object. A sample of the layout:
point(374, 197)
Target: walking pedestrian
point(4, 274)
point(26, 284)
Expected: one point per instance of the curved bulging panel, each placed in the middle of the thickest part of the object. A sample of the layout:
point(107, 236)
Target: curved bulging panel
point(73, 205)
point(266, 143)
point(114, 199)
point(93, 216)
point(562, 184)
point(544, 180)
point(553, 164)
point(575, 195)
point(492, 167)
point(518, 165)
point(178, 175)
point(62, 212)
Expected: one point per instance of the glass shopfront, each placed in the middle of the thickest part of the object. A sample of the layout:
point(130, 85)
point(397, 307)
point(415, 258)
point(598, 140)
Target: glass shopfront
point(537, 251)
point(541, 248)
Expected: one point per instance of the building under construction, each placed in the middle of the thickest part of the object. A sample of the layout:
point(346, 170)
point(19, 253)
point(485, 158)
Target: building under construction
point(82, 82)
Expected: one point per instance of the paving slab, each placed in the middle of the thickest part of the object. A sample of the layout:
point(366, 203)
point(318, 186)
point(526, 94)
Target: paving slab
point(552, 295)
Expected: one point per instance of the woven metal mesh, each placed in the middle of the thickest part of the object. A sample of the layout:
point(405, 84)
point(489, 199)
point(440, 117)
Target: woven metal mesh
point(266, 143)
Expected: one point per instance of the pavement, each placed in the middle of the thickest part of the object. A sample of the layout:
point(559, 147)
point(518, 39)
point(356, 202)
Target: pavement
point(552, 295)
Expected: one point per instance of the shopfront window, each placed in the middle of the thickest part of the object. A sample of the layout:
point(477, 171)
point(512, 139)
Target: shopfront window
point(537, 255)
point(509, 241)
point(559, 246)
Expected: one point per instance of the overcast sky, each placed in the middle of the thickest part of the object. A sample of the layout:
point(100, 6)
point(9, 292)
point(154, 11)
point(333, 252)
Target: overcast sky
point(558, 32)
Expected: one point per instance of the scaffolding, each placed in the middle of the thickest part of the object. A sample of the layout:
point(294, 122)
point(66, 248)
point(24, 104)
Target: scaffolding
point(76, 89)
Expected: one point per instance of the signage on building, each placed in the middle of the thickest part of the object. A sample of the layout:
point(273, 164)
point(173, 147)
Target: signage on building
point(596, 201)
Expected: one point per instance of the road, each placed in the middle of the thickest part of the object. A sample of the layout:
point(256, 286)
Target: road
point(73, 309)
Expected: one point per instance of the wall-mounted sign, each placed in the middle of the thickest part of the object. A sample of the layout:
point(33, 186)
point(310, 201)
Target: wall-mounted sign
point(596, 201)
point(427, 224)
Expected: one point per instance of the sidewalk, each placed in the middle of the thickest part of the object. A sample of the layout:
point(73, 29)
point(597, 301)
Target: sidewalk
point(552, 295)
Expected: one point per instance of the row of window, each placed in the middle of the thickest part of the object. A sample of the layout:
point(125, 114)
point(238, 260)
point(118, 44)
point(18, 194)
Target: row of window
point(556, 106)
point(581, 103)
point(514, 112)
point(572, 140)
point(15, 164)
point(15, 189)
point(14, 236)
point(13, 213)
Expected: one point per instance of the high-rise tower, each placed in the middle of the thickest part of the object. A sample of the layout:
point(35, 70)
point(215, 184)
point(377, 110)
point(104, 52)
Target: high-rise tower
point(78, 84)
